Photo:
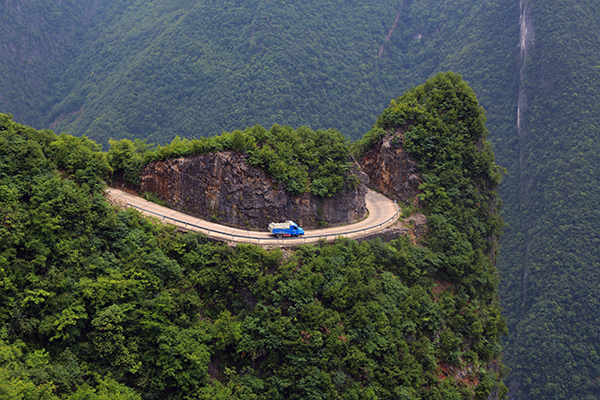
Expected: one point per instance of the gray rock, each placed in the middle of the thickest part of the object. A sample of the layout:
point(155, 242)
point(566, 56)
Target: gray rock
point(391, 170)
point(222, 187)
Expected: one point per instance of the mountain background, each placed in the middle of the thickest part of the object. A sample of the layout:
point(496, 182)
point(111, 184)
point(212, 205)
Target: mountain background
point(156, 69)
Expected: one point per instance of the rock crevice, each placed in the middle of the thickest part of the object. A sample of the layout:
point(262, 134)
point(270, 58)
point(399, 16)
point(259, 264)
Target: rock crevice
point(390, 169)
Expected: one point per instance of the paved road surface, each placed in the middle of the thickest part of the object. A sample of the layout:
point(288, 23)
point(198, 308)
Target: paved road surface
point(382, 213)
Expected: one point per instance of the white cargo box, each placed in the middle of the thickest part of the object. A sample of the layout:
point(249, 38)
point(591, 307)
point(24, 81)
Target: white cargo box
point(280, 225)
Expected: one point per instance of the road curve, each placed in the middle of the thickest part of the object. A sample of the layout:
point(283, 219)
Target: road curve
point(382, 213)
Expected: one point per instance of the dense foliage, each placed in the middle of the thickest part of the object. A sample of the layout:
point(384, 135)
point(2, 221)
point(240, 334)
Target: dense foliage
point(97, 300)
point(551, 263)
point(443, 127)
point(37, 43)
point(303, 160)
point(156, 69)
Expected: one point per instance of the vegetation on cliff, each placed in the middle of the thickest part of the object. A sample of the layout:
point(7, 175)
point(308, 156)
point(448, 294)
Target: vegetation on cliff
point(101, 299)
point(443, 126)
point(301, 159)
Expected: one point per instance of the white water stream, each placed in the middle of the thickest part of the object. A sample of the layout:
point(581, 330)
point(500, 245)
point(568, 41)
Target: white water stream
point(526, 40)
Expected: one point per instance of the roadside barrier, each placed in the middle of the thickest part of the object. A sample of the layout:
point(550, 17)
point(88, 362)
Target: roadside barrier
point(213, 232)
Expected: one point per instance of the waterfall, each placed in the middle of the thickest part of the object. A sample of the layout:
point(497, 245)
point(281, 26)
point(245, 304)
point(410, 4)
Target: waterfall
point(525, 41)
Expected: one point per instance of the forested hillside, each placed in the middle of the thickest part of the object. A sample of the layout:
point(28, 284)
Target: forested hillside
point(38, 41)
point(102, 303)
point(157, 69)
point(551, 263)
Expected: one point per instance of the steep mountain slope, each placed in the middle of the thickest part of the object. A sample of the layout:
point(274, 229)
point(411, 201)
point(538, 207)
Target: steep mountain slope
point(98, 301)
point(157, 69)
point(37, 41)
point(550, 263)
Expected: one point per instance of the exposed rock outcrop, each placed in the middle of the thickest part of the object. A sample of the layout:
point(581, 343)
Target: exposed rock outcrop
point(391, 170)
point(222, 187)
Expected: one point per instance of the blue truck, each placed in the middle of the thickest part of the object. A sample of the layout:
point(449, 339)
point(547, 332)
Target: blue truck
point(285, 229)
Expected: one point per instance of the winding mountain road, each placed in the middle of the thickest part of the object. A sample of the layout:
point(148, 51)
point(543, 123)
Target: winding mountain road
point(382, 213)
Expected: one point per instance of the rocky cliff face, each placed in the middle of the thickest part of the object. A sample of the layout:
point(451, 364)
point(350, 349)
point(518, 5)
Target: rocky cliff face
point(222, 187)
point(391, 170)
